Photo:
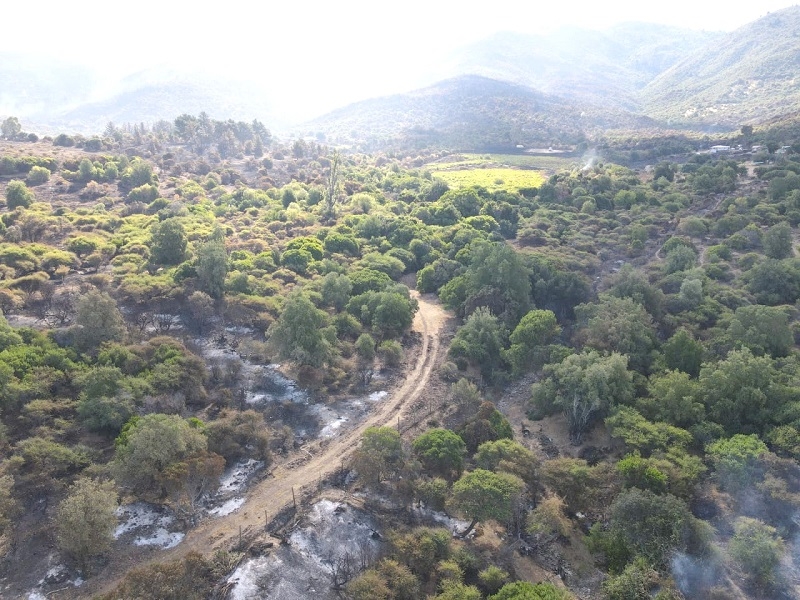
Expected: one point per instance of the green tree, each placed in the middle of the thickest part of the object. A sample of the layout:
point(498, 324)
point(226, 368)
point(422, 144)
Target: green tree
point(741, 392)
point(498, 280)
point(466, 201)
point(18, 195)
point(369, 585)
point(683, 353)
point(419, 549)
point(336, 289)
point(87, 171)
point(757, 549)
point(583, 386)
point(336, 242)
point(212, 267)
point(736, 460)
point(440, 451)
point(529, 339)
point(10, 128)
point(86, 520)
point(44, 463)
point(390, 352)
point(487, 425)
point(365, 347)
point(465, 395)
point(297, 260)
point(774, 281)
point(762, 329)
point(300, 332)
point(455, 590)
point(139, 172)
point(481, 341)
point(691, 293)
point(632, 283)
point(778, 241)
point(493, 578)
point(168, 242)
point(649, 525)
point(98, 320)
point(368, 280)
point(634, 583)
point(482, 495)
point(680, 258)
point(509, 456)
point(524, 590)
point(105, 414)
point(644, 436)
point(394, 313)
point(380, 454)
point(389, 313)
point(619, 325)
point(38, 175)
point(332, 193)
point(674, 398)
point(148, 446)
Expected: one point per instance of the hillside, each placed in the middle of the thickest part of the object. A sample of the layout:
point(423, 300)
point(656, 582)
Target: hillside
point(744, 77)
point(53, 97)
point(471, 113)
point(602, 67)
point(151, 96)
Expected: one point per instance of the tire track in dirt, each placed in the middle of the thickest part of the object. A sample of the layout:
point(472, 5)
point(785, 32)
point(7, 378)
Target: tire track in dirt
point(326, 456)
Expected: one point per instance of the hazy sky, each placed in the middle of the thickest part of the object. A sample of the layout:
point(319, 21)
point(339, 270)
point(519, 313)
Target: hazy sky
point(310, 48)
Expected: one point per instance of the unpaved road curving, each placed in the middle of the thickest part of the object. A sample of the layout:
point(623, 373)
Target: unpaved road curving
point(318, 460)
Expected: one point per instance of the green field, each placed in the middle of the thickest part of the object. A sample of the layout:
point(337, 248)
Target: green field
point(492, 179)
point(498, 171)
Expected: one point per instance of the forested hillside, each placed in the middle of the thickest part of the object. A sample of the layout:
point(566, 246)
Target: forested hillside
point(472, 113)
point(217, 344)
point(603, 68)
point(746, 76)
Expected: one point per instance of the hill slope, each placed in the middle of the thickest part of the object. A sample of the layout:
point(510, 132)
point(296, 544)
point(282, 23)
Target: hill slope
point(53, 97)
point(151, 96)
point(603, 67)
point(749, 75)
point(471, 113)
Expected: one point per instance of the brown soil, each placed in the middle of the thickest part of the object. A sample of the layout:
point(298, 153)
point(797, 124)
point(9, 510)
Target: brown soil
point(299, 477)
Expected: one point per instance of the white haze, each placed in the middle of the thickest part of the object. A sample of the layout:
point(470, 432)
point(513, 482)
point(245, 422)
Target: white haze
point(306, 56)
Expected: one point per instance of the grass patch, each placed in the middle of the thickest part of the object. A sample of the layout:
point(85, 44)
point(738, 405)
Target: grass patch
point(492, 179)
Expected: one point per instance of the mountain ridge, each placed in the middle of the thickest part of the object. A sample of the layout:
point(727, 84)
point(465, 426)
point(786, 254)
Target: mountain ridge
point(471, 112)
point(748, 76)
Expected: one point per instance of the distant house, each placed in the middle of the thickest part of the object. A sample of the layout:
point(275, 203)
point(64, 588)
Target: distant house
point(719, 149)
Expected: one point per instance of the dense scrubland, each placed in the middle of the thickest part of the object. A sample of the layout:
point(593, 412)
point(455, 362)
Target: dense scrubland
point(647, 312)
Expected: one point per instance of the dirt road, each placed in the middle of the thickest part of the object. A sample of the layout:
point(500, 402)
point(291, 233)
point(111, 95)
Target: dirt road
point(304, 472)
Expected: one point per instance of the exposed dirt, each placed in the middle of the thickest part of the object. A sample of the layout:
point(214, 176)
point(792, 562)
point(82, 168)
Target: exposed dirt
point(300, 477)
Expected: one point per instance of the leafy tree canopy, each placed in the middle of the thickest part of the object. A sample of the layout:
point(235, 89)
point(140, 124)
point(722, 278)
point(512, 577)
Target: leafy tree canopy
point(482, 495)
point(440, 451)
point(300, 332)
point(583, 386)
